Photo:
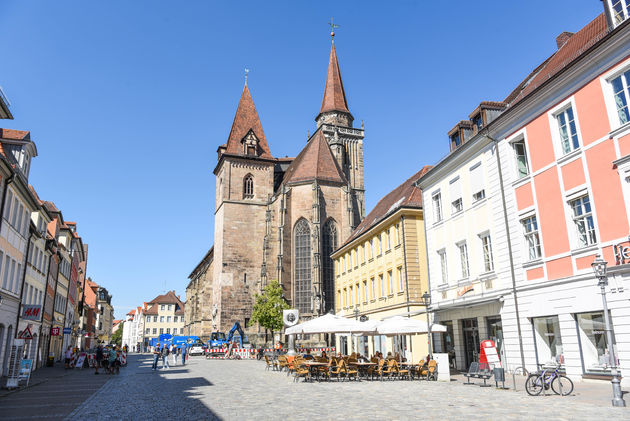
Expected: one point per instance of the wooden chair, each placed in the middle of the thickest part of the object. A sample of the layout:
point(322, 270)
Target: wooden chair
point(417, 370)
point(273, 365)
point(385, 370)
point(401, 372)
point(282, 362)
point(337, 370)
point(429, 371)
point(301, 370)
point(350, 372)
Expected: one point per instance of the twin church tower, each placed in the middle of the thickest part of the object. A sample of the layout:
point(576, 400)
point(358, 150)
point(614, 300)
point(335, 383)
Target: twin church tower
point(281, 218)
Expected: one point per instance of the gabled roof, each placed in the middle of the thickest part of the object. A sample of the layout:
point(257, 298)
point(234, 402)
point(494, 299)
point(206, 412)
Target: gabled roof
point(315, 162)
point(334, 94)
point(246, 119)
point(577, 44)
point(168, 298)
point(15, 134)
point(407, 195)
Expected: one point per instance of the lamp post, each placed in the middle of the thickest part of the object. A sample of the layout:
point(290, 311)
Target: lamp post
point(426, 300)
point(356, 313)
point(599, 268)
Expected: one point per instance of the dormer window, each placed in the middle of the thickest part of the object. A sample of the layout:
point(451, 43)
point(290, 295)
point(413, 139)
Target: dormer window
point(460, 133)
point(619, 10)
point(478, 121)
point(250, 144)
point(455, 140)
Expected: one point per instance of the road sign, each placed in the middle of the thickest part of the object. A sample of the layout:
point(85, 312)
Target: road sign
point(26, 334)
point(67, 330)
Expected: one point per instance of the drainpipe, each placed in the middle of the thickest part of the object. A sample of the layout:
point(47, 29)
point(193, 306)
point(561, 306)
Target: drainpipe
point(509, 244)
point(28, 248)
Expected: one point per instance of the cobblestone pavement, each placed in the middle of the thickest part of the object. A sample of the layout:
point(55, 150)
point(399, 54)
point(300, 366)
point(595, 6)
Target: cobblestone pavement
point(243, 390)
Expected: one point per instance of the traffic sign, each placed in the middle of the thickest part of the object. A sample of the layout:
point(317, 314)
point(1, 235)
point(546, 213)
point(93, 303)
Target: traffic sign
point(26, 334)
point(67, 330)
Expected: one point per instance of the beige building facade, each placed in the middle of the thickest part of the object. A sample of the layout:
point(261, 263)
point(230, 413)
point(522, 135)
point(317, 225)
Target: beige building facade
point(164, 315)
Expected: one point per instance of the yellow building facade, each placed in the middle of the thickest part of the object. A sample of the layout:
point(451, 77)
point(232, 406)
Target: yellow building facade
point(381, 271)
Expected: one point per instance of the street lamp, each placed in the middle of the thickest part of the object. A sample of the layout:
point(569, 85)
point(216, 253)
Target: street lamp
point(426, 300)
point(356, 313)
point(599, 268)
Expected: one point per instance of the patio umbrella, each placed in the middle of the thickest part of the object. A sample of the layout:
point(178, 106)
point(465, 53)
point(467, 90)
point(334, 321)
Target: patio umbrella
point(328, 323)
point(399, 325)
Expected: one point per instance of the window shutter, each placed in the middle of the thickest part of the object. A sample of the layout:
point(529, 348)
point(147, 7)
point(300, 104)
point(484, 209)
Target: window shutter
point(476, 179)
point(456, 189)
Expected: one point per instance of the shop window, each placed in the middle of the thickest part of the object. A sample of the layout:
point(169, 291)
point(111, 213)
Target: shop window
point(593, 343)
point(548, 340)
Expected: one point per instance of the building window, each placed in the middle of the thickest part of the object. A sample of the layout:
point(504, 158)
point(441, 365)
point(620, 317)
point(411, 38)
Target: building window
point(380, 244)
point(548, 340)
point(486, 245)
point(401, 285)
point(365, 292)
point(457, 205)
point(351, 296)
point(155, 330)
point(248, 187)
point(345, 297)
point(568, 132)
point(455, 140)
point(168, 330)
point(398, 234)
point(174, 319)
point(373, 288)
point(388, 239)
point(382, 284)
point(463, 257)
point(477, 183)
point(620, 10)
point(339, 302)
point(147, 331)
point(162, 307)
point(390, 281)
point(161, 319)
point(621, 91)
point(583, 220)
point(522, 167)
point(329, 244)
point(363, 254)
point(161, 330)
point(181, 330)
point(532, 239)
point(442, 254)
point(437, 207)
point(357, 292)
point(155, 318)
point(303, 266)
point(168, 319)
point(371, 248)
point(594, 345)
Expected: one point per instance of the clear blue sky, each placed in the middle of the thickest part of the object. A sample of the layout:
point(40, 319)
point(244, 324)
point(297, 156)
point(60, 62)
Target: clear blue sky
point(128, 101)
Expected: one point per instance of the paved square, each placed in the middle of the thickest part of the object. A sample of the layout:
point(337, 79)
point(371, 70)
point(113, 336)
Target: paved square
point(244, 390)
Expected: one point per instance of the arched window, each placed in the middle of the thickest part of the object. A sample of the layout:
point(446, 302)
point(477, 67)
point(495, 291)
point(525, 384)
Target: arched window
point(248, 187)
point(329, 244)
point(302, 282)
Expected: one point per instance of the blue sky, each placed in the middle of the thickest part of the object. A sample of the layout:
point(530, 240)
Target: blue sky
point(128, 101)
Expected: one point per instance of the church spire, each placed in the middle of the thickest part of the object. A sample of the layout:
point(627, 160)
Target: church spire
point(247, 136)
point(334, 105)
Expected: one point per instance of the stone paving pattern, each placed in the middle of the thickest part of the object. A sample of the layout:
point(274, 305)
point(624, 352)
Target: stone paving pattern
point(243, 390)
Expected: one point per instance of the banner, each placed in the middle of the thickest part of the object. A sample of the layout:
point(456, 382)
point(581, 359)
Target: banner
point(31, 312)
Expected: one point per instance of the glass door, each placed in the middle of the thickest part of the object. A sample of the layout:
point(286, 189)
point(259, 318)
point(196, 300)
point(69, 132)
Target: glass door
point(495, 333)
point(471, 341)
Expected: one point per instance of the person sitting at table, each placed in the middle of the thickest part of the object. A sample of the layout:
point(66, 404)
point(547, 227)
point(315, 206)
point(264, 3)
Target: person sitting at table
point(389, 356)
point(308, 355)
point(324, 355)
point(397, 357)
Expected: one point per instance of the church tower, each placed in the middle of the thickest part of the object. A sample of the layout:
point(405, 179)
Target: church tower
point(244, 183)
point(346, 142)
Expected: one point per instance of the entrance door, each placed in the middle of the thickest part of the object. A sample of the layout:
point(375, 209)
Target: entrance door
point(471, 341)
point(495, 333)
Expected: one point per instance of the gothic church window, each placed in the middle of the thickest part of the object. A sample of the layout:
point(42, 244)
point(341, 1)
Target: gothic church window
point(248, 187)
point(303, 267)
point(329, 244)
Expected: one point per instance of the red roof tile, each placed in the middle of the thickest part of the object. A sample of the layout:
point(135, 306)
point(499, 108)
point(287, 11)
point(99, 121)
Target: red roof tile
point(15, 134)
point(407, 195)
point(576, 45)
point(168, 298)
point(246, 119)
point(315, 162)
point(334, 94)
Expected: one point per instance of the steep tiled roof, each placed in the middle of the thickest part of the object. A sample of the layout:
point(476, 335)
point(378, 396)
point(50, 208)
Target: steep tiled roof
point(334, 94)
point(579, 43)
point(315, 162)
point(168, 298)
point(407, 195)
point(15, 134)
point(246, 119)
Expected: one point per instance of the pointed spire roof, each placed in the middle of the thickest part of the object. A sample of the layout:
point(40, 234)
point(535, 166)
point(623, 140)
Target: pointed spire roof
point(315, 162)
point(334, 94)
point(246, 119)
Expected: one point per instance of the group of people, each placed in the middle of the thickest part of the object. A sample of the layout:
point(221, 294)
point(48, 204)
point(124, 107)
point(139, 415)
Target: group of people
point(164, 351)
point(109, 359)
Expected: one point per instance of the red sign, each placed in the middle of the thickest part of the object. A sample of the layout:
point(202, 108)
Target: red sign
point(31, 312)
point(464, 290)
point(26, 334)
point(54, 331)
point(489, 354)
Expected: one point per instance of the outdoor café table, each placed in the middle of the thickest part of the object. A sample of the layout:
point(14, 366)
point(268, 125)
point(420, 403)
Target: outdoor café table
point(363, 367)
point(314, 365)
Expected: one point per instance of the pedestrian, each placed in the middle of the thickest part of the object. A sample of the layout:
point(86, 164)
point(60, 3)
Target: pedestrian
point(98, 357)
point(183, 350)
point(165, 357)
point(156, 355)
point(173, 354)
point(67, 357)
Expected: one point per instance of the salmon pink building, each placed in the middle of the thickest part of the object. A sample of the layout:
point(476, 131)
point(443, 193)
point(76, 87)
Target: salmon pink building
point(557, 189)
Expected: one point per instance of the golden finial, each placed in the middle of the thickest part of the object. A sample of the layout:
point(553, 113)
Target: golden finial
point(332, 27)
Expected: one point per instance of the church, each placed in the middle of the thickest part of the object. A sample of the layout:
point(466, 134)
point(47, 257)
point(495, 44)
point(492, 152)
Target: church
point(279, 218)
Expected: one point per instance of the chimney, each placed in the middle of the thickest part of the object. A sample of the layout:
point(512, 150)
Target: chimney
point(563, 38)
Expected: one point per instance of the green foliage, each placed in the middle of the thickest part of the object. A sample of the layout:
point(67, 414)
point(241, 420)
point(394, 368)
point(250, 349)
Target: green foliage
point(268, 307)
point(117, 336)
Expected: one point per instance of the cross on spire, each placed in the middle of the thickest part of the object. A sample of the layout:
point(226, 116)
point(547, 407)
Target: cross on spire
point(246, 73)
point(333, 26)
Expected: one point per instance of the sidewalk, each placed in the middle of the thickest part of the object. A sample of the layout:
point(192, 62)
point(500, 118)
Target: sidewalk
point(39, 376)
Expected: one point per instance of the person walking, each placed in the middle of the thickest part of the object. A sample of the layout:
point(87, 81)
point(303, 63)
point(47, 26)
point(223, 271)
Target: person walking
point(173, 352)
point(98, 357)
point(165, 357)
point(183, 351)
point(156, 355)
point(68, 357)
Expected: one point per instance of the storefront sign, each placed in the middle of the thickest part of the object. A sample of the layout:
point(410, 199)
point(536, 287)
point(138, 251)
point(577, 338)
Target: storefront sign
point(489, 354)
point(464, 290)
point(622, 254)
point(67, 330)
point(31, 312)
point(54, 331)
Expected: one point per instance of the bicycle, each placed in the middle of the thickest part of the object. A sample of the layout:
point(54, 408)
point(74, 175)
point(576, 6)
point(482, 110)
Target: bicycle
point(559, 383)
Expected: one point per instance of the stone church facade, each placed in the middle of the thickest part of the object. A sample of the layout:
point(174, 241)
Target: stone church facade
point(279, 218)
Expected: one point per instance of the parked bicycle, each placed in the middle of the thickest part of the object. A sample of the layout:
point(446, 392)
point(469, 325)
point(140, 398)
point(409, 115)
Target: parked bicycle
point(545, 378)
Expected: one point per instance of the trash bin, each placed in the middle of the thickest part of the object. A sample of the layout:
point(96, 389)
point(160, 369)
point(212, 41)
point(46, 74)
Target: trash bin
point(50, 362)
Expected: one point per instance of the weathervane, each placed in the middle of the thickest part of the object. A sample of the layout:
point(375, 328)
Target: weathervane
point(246, 72)
point(333, 26)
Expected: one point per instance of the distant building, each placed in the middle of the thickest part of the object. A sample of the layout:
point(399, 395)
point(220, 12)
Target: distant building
point(164, 315)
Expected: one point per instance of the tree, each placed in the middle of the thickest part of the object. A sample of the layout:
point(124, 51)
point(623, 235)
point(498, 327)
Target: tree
point(268, 308)
point(117, 336)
